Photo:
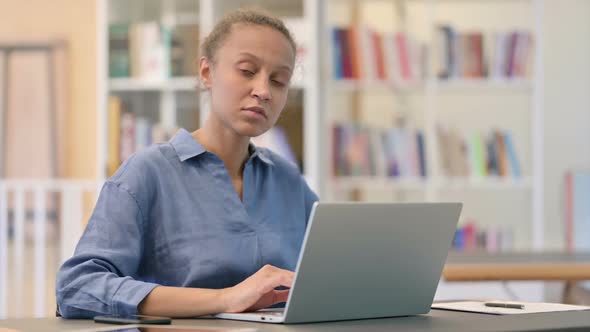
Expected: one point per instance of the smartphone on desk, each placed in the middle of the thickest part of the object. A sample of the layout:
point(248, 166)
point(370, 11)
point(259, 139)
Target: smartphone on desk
point(132, 319)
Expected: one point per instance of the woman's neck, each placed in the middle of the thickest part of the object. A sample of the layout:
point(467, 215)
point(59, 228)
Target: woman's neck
point(226, 144)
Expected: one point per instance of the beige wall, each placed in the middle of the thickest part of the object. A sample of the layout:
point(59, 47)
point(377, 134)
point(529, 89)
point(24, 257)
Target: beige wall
point(567, 105)
point(75, 22)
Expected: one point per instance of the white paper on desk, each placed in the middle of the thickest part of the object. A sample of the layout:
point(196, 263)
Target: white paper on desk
point(529, 307)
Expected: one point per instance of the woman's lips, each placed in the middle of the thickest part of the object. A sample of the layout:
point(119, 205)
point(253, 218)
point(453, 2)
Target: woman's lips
point(256, 110)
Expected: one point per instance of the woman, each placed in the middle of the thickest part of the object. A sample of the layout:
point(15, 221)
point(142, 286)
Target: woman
point(207, 222)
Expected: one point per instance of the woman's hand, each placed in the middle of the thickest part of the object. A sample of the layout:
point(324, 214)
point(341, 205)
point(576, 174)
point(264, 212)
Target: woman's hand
point(258, 291)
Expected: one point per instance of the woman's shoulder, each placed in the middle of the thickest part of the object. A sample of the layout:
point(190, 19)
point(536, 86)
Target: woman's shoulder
point(143, 166)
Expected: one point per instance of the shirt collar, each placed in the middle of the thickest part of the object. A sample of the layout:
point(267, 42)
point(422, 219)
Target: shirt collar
point(262, 154)
point(187, 147)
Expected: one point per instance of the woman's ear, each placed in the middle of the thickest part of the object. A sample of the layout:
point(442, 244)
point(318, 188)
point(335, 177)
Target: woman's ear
point(205, 72)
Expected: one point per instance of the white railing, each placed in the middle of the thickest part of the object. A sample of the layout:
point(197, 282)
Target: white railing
point(27, 266)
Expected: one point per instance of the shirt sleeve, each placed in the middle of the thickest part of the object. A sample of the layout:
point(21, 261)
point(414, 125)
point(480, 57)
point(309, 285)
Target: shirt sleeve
point(98, 279)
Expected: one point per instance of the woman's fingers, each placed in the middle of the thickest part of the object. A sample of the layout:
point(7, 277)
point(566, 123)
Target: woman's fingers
point(275, 277)
point(271, 298)
point(281, 296)
point(259, 290)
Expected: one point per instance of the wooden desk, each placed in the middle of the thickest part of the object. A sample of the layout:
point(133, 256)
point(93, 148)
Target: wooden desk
point(567, 267)
point(517, 266)
point(435, 321)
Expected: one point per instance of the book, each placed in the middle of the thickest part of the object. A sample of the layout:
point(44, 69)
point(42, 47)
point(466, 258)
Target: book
point(476, 156)
point(503, 167)
point(114, 134)
point(401, 43)
point(513, 162)
point(380, 62)
point(149, 45)
point(354, 49)
point(337, 53)
point(471, 236)
point(577, 211)
point(444, 149)
point(444, 50)
point(360, 150)
point(347, 70)
point(127, 136)
point(184, 50)
point(421, 146)
point(473, 54)
point(361, 53)
point(143, 133)
point(119, 61)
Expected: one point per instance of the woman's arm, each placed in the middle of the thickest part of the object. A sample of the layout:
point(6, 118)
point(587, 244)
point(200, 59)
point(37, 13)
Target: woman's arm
point(96, 280)
point(182, 302)
point(256, 292)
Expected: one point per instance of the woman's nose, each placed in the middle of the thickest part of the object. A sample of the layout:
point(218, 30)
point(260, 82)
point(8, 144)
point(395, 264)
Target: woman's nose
point(261, 89)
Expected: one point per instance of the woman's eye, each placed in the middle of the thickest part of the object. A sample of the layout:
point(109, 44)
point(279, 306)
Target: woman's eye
point(247, 72)
point(278, 83)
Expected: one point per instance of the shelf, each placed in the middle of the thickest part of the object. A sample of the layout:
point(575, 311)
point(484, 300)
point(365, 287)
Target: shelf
point(413, 183)
point(492, 183)
point(375, 85)
point(516, 84)
point(171, 84)
point(451, 85)
point(376, 182)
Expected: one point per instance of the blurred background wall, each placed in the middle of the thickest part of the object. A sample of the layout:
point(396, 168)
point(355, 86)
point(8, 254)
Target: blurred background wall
point(75, 22)
point(567, 104)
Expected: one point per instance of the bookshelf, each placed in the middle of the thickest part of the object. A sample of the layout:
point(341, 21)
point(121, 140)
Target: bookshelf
point(475, 104)
point(168, 98)
point(483, 99)
point(147, 86)
point(172, 84)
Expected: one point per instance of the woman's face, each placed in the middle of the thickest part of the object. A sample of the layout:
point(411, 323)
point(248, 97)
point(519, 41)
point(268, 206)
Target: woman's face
point(249, 78)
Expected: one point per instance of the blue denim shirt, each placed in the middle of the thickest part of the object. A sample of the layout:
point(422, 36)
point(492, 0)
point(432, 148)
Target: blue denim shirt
point(171, 216)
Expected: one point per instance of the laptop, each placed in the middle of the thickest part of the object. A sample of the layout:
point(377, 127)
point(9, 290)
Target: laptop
point(366, 260)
